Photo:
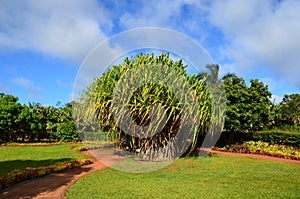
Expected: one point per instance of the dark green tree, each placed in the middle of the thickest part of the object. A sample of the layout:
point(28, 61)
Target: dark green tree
point(290, 110)
point(261, 104)
point(10, 108)
point(65, 127)
point(248, 108)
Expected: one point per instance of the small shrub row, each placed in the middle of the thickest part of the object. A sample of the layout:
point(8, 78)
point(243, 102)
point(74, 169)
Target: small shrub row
point(263, 148)
point(15, 144)
point(18, 176)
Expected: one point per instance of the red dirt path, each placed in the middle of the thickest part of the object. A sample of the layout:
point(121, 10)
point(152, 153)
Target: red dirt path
point(57, 185)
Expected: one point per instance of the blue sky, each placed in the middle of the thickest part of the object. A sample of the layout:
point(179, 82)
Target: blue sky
point(43, 43)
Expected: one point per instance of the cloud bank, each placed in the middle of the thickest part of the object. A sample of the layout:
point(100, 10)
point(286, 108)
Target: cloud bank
point(242, 35)
point(32, 89)
point(64, 29)
point(260, 33)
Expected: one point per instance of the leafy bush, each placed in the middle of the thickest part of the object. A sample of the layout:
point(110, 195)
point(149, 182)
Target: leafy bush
point(99, 94)
point(67, 132)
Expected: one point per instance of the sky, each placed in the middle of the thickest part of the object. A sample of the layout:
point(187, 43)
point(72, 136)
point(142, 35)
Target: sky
point(44, 43)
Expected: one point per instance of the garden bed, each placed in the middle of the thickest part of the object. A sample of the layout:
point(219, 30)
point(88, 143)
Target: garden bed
point(263, 148)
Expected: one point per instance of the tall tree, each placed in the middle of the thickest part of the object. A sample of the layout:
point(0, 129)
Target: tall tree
point(98, 98)
point(248, 108)
point(261, 104)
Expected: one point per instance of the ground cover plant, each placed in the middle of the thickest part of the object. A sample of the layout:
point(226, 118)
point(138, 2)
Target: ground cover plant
point(217, 176)
point(19, 163)
point(264, 148)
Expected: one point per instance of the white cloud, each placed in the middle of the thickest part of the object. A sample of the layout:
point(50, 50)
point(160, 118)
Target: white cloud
point(164, 13)
point(276, 99)
point(32, 89)
point(68, 29)
point(63, 84)
point(260, 33)
point(257, 33)
point(226, 68)
point(4, 88)
point(272, 83)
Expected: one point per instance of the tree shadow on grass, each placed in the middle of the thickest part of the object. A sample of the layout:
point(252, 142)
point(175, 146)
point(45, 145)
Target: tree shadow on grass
point(11, 165)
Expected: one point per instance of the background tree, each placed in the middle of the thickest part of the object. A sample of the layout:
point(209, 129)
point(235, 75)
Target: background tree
point(9, 111)
point(65, 127)
point(248, 108)
point(290, 110)
point(34, 122)
point(24, 122)
point(260, 105)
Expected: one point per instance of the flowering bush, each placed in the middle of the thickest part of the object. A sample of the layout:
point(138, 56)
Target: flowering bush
point(264, 148)
point(78, 148)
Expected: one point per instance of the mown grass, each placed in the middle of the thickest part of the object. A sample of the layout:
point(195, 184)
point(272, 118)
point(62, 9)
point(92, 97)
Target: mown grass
point(12, 158)
point(209, 177)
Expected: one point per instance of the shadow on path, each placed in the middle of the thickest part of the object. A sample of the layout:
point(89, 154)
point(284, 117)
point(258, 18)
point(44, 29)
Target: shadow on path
point(11, 165)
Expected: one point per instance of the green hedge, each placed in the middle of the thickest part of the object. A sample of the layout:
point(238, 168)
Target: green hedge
point(289, 138)
point(278, 137)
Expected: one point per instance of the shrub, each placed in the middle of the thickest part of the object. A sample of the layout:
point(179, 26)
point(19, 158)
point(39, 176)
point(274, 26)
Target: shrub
point(98, 97)
point(278, 137)
point(67, 132)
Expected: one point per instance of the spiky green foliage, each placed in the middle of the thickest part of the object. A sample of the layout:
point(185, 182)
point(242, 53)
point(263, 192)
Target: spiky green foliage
point(97, 105)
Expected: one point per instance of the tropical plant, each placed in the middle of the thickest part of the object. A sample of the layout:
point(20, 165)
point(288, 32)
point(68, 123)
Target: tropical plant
point(98, 104)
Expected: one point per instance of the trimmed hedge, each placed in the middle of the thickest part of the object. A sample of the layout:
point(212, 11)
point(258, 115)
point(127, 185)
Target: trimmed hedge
point(278, 137)
point(289, 138)
point(93, 136)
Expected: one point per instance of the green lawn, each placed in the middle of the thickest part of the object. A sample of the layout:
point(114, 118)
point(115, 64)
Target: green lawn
point(12, 158)
point(209, 177)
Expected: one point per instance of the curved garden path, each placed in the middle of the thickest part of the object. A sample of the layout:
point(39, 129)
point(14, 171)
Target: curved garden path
point(57, 185)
